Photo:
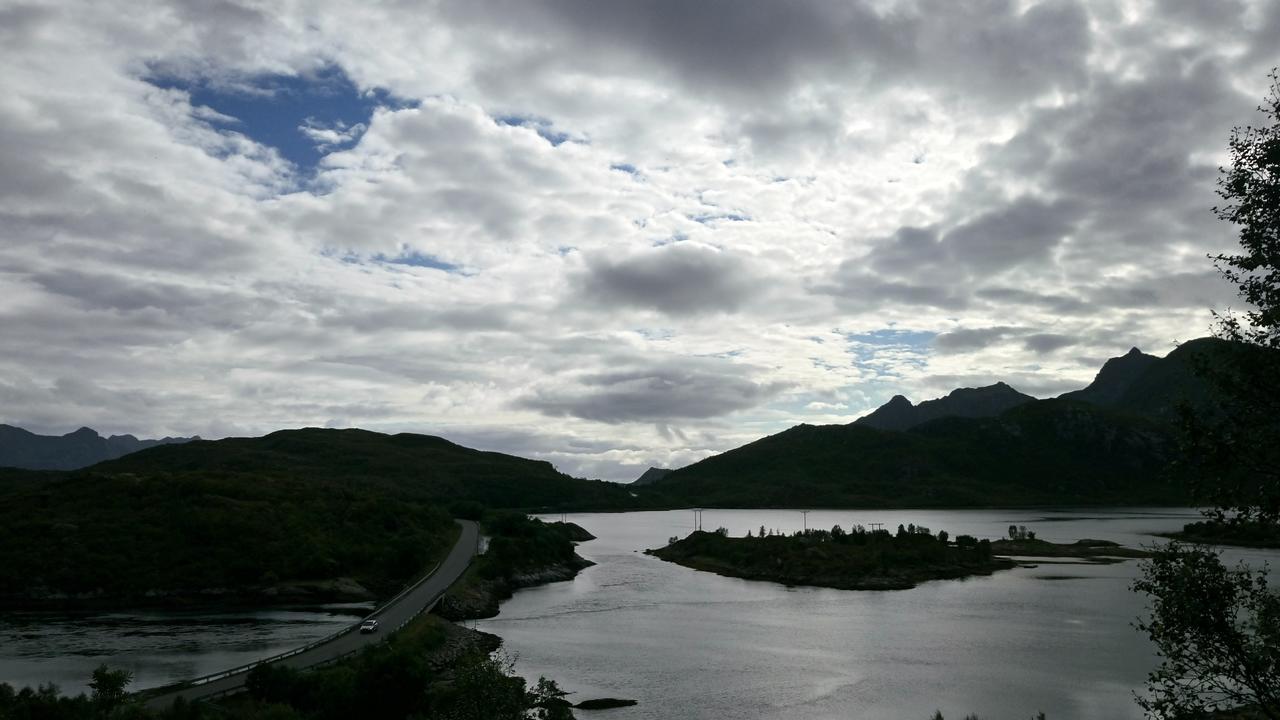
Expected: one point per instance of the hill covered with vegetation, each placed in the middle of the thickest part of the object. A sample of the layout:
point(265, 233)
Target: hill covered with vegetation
point(1044, 453)
point(1110, 443)
point(323, 513)
point(422, 467)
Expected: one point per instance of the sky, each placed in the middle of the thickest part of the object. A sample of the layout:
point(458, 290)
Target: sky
point(606, 234)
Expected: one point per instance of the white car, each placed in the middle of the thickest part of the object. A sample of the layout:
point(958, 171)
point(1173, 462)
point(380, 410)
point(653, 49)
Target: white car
point(369, 626)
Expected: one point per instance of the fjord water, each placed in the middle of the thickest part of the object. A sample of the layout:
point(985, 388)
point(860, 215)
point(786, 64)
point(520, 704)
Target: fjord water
point(159, 647)
point(1056, 638)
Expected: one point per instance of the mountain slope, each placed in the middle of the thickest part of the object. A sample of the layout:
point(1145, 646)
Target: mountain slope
point(23, 449)
point(650, 476)
point(421, 467)
point(246, 519)
point(1106, 443)
point(1114, 379)
point(1052, 452)
point(1152, 387)
point(989, 401)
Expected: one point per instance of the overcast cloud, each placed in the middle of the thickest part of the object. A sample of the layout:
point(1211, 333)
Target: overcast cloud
point(607, 234)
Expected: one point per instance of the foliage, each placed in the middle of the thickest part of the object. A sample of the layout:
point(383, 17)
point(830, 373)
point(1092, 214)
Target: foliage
point(123, 536)
point(1244, 534)
point(242, 514)
point(519, 543)
point(1218, 632)
point(854, 559)
point(1234, 451)
point(388, 681)
point(1020, 532)
point(1251, 189)
point(108, 688)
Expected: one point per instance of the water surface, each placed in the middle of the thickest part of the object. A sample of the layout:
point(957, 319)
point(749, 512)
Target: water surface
point(159, 647)
point(1056, 638)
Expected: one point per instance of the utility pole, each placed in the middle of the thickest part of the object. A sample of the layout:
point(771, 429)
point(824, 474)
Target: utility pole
point(805, 513)
point(697, 519)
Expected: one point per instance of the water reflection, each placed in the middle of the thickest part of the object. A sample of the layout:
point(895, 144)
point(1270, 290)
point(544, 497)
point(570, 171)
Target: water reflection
point(1056, 637)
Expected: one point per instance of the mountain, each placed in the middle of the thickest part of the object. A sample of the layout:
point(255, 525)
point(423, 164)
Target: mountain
point(1047, 452)
point(989, 401)
point(650, 476)
point(419, 467)
point(23, 449)
point(1108, 443)
point(1114, 379)
point(230, 520)
point(1152, 387)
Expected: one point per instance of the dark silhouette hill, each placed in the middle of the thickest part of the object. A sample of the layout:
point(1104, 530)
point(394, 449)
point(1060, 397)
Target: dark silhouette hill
point(24, 449)
point(1108, 443)
point(989, 401)
point(422, 467)
point(1153, 387)
point(650, 476)
point(247, 519)
point(1050, 452)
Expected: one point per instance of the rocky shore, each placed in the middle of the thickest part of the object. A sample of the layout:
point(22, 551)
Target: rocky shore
point(476, 598)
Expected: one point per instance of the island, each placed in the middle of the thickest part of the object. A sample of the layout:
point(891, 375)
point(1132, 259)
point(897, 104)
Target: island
point(862, 559)
point(1227, 532)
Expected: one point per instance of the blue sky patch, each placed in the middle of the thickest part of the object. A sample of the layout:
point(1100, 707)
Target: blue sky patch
point(708, 218)
point(544, 127)
point(417, 259)
point(891, 336)
point(304, 117)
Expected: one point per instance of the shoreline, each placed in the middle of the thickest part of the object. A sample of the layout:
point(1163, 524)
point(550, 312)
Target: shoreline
point(338, 591)
point(706, 553)
point(870, 583)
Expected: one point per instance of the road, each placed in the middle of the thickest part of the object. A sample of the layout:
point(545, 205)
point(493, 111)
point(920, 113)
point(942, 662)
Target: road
point(390, 616)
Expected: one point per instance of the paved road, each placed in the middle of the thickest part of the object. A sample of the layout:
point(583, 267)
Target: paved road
point(390, 616)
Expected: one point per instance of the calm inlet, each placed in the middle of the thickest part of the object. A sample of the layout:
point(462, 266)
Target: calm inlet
point(1056, 638)
point(159, 647)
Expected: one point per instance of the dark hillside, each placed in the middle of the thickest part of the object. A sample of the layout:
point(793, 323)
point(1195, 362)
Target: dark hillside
point(20, 448)
point(421, 467)
point(1042, 453)
point(989, 401)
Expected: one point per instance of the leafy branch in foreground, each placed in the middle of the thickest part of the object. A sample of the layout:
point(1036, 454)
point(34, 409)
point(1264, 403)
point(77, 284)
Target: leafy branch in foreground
point(1218, 630)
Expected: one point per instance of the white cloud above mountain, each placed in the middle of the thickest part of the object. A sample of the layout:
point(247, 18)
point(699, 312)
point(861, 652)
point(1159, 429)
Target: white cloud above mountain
point(612, 235)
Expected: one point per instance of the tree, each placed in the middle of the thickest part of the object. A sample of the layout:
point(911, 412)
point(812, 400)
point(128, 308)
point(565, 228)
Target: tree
point(1217, 629)
point(1218, 632)
point(1235, 453)
point(108, 688)
point(547, 701)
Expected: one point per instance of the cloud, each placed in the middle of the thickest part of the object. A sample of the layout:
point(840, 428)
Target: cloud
point(676, 279)
point(965, 340)
point(715, 228)
point(1042, 343)
point(663, 394)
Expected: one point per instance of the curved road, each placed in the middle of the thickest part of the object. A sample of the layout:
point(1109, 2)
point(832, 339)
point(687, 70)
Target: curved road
point(390, 617)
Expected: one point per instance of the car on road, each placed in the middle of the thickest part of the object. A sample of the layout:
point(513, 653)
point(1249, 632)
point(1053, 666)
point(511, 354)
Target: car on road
point(369, 626)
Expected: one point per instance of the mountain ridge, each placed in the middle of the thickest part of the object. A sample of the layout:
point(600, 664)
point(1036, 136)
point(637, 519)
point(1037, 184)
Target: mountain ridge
point(900, 414)
point(23, 449)
point(1108, 443)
